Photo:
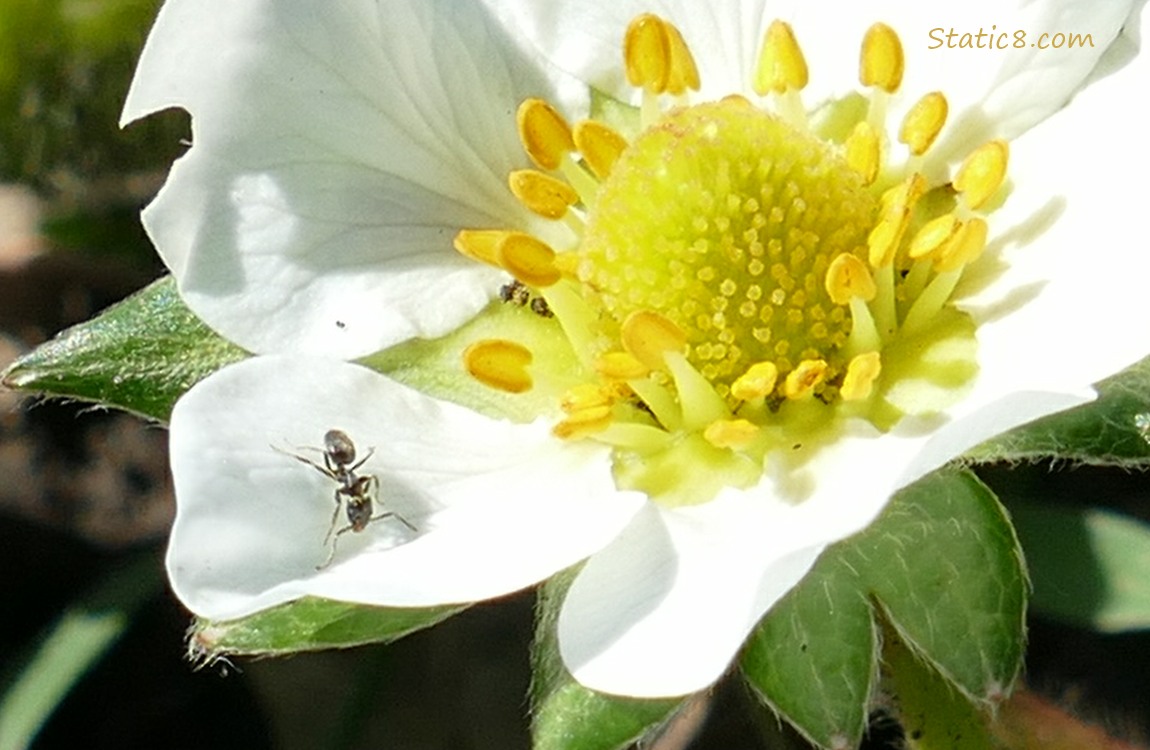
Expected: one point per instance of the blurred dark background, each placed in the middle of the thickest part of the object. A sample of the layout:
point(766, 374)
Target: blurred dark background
point(85, 492)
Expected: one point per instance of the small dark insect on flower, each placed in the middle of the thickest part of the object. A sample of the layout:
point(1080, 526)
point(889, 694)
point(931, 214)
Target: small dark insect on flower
point(356, 493)
point(516, 293)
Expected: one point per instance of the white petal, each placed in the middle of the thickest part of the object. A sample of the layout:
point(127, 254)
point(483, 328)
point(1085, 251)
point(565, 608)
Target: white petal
point(336, 152)
point(1066, 311)
point(664, 609)
point(994, 92)
point(497, 506)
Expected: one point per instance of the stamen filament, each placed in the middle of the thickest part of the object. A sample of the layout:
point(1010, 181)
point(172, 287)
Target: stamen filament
point(930, 302)
point(699, 402)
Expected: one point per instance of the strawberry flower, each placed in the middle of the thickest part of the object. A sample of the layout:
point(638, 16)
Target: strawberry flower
point(766, 282)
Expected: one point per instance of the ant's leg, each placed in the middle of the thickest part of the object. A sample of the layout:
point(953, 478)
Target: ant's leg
point(334, 542)
point(373, 482)
point(334, 518)
point(396, 516)
point(326, 471)
point(362, 461)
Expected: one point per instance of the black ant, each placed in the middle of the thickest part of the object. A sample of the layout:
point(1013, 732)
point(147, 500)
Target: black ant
point(356, 493)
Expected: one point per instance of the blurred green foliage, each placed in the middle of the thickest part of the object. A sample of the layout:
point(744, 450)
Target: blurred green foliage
point(64, 70)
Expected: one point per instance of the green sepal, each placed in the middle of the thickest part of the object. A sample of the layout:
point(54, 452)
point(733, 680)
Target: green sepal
point(941, 567)
point(1113, 430)
point(309, 624)
point(1088, 565)
point(933, 715)
point(139, 355)
point(812, 659)
point(568, 716)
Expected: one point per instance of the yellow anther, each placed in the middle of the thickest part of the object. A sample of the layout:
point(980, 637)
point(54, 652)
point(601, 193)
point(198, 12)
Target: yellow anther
point(528, 259)
point(647, 53)
point(546, 136)
point(802, 381)
point(862, 372)
point(648, 336)
point(600, 146)
point(683, 74)
point(757, 382)
point(568, 265)
point(583, 423)
point(585, 396)
point(881, 61)
point(480, 244)
point(782, 66)
point(863, 152)
point(923, 122)
point(982, 173)
point(620, 366)
point(541, 193)
point(965, 246)
point(730, 433)
point(895, 207)
point(933, 236)
point(847, 278)
point(499, 364)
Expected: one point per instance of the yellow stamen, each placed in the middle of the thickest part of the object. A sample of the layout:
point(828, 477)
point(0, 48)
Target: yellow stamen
point(649, 337)
point(730, 433)
point(897, 203)
point(620, 366)
point(757, 382)
point(541, 193)
point(684, 74)
point(863, 151)
point(802, 381)
point(583, 423)
point(499, 364)
point(528, 259)
point(982, 173)
point(782, 66)
point(881, 62)
point(585, 396)
point(933, 236)
point(479, 244)
point(546, 136)
point(647, 53)
point(923, 122)
point(600, 146)
point(965, 246)
point(862, 372)
point(848, 277)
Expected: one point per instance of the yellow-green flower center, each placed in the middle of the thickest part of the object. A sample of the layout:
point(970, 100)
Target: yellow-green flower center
point(725, 220)
point(738, 287)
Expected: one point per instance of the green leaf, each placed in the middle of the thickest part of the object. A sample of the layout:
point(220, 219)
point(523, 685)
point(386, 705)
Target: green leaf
point(1112, 430)
point(1088, 565)
point(812, 660)
point(309, 624)
point(139, 355)
point(933, 715)
point(942, 566)
point(568, 716)
point(71, 646)
point(945, 566)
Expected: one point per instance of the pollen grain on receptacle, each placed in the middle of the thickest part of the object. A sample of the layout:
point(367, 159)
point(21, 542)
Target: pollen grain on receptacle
point(735, 282)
